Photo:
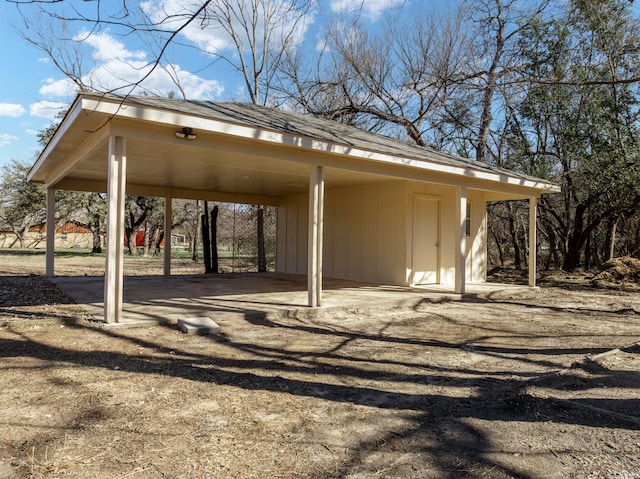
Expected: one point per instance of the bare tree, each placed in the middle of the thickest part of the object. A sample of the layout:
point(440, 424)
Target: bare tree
point(249, 35)
point(392, 80)
point(22, 204)
point(260, 31)
point(497, 27)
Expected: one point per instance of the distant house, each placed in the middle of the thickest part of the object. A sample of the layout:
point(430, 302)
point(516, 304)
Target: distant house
point(71, 234)
point(8, 238)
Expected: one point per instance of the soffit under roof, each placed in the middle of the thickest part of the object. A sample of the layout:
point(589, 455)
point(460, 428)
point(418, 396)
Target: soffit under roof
point(244, 149)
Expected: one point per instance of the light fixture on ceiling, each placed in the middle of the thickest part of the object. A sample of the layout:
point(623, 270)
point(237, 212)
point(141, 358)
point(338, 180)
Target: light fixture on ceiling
point(186, 133)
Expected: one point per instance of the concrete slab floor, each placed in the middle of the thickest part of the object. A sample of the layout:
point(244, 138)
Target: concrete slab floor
point(162, 299)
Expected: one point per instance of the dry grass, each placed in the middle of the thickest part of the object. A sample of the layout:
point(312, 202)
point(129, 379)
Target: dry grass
point(449, 390)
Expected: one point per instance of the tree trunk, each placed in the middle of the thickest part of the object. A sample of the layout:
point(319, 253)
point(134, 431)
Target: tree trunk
point(581, 232)
point(21, 234)
point(636, 240)
point(95, 231)
point(571, 259)
point(489, 89)
point(134, 224)
point(575, 240)
point(587, 254)
point(262, 259)
point(523, 238)
point(147, 240)
point(158, 243)
point(575, 243)
point(610, 238)
point(214, 239)
point(513, 231)
point(133, 249)
point(196, 235)
point(499, 246)
point(206, 240)
point(553, 255)
point(21, 240)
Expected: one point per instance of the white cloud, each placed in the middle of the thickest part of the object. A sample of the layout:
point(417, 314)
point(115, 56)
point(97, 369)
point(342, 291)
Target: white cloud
point(46, 109)
point(57, 88)
point(173, 13)
point(117, 69)
point(194, 86)
point(6, 139)
point(106, 48)
point(371, 8)
point(118, 76)
point(213, 38)
point(11, 109)
point(31, 131)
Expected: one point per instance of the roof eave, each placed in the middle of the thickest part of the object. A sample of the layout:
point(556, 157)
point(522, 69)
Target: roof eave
point(137, 111)
point(67, 121)
point(115, 106)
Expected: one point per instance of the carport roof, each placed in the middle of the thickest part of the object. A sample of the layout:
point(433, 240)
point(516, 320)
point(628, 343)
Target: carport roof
point(244, 152)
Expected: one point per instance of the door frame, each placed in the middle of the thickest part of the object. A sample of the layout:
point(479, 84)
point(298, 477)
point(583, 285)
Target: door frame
point(438, 247)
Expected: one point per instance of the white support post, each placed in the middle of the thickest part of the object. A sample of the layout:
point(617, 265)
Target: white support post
point(316, 220)
point(532, 242)
point(461, 250)
point(51, 232)
point(167, 232)
point(320, 235)
point(113, 277)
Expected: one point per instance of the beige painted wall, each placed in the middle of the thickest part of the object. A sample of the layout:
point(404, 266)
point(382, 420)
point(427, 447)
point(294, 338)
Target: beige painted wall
point(368, 233)
point(364, 233)
point(477, 243)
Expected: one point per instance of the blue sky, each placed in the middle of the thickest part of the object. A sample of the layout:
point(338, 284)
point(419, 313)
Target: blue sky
point(21, 106)
point(33, 90)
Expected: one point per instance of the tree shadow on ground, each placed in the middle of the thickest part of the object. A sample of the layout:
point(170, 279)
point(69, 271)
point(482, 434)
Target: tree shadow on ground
point(441, 435)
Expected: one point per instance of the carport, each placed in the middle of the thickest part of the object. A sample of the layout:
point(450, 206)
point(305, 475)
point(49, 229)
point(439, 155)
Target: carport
point(244, 153)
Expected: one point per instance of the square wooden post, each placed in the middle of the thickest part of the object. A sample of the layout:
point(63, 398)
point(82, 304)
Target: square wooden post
point(51, 232)
point(167, 232)
point(316, 223)
point(533, 202)
point(461, 233)
point(116, 185)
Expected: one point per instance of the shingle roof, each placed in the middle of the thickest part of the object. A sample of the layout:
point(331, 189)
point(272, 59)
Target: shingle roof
point(287, 122)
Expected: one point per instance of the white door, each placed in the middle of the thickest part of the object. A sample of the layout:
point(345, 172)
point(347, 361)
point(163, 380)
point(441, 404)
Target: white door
point(426, 240)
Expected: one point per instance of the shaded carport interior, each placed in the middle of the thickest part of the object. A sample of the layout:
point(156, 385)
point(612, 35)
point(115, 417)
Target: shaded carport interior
point(241, 153)
point(258, 297)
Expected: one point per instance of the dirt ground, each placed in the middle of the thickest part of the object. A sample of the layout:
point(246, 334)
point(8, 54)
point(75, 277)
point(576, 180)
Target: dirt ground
point(516, 385)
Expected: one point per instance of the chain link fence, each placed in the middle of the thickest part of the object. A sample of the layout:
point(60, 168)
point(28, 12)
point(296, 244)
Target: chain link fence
point(238, 243)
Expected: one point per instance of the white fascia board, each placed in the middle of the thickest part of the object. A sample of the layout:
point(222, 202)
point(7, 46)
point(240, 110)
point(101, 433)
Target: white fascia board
point(172, 117)
point(81, 152)
point(68, 120)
